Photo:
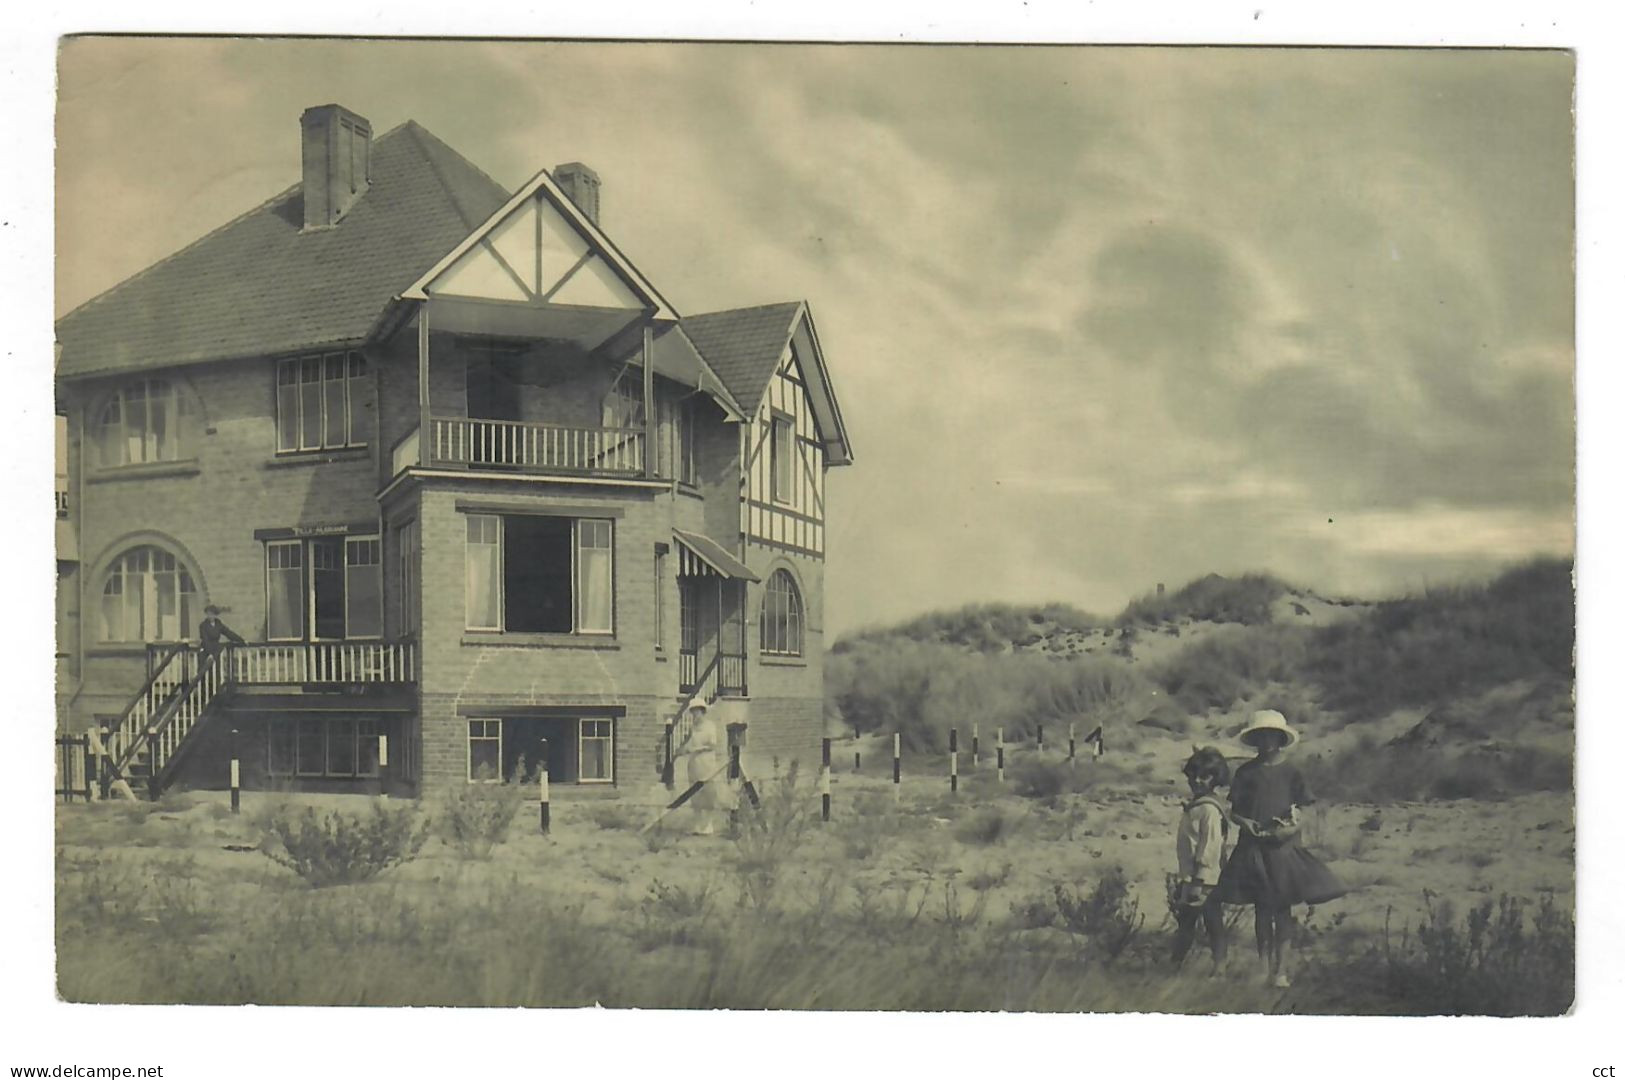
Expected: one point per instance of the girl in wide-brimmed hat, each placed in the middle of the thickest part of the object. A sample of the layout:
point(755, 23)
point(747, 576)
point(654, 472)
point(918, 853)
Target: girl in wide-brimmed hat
point(706, 750)
point(1270, 869)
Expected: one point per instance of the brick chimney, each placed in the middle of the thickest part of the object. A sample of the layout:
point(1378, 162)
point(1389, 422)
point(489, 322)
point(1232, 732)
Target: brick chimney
point(337, 149)
point(581, 184)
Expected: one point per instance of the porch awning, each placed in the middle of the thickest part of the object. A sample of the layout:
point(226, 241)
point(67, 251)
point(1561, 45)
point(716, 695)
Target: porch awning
point(701, 556)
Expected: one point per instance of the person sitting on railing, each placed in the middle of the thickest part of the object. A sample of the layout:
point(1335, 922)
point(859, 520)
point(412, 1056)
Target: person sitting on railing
point(212, 632)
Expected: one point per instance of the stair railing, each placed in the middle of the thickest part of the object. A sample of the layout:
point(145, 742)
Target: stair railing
point(171, 669)
point(213, 674)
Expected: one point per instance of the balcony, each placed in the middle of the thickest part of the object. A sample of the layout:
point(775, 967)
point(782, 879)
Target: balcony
point(465, 442)
point(316, 663)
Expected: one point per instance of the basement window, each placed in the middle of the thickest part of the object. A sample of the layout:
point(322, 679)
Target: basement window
point(538, 574)
point(340, 748)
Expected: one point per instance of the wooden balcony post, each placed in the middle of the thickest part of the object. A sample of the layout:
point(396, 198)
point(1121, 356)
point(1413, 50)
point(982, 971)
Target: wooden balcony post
point(649, 455)
point(423, 383)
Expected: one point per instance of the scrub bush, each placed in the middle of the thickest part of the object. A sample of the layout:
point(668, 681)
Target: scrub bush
point(336, 848)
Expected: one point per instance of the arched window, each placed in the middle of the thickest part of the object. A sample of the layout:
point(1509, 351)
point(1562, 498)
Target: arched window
point(144, 421)
point(782, 617)
point(148, 596)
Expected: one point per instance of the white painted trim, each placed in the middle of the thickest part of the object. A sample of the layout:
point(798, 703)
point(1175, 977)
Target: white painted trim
point(542, 181)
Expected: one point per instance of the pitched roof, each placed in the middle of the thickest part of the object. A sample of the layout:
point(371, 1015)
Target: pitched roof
point(260, 286)
point(743, 346)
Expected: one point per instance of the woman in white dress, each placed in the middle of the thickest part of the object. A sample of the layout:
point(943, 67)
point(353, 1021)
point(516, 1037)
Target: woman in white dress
point(707, 753)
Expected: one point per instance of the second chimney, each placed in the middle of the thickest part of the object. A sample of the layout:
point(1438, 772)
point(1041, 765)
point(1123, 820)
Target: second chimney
point(581, 184)
point(337, 149)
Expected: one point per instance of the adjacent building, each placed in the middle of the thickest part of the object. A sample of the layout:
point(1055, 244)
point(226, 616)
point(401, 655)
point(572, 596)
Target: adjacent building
point(476, 494)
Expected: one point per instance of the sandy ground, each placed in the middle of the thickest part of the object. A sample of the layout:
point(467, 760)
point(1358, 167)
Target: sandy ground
point(1391, 855)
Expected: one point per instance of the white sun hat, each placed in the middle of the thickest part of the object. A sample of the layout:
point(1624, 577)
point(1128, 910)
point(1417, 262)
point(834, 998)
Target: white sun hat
point(698, 706)
point(1267, 720)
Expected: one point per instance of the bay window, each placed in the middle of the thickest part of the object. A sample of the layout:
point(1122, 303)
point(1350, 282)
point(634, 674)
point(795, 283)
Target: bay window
point(527, 573)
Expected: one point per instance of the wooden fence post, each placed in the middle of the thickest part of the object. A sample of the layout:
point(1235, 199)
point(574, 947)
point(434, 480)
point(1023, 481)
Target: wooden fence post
point(1040, 738)
point(897, 766)
point(383, 762)
point(999, 743)
point(857, 761)
point(103, 773)
point(1072, 743)
point(975, 748)
point(953, 760)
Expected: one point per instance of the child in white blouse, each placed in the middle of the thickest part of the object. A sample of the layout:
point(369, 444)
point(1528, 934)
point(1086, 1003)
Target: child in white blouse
point(1199, 848)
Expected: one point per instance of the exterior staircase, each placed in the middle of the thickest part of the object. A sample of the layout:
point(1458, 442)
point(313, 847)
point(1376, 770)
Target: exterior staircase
point(728, 707)
point(184, 688)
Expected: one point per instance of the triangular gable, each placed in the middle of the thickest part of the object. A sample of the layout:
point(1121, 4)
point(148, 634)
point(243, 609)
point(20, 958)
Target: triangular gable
point(539, 248)
point(803, 359)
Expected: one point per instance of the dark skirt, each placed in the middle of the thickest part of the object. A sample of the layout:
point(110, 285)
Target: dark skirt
point(1276, 875)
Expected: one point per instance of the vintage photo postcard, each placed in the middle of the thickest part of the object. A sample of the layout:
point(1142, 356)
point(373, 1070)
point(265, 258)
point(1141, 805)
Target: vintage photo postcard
point(815, 527)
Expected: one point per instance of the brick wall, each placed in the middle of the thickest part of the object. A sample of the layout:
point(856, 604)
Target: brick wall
point(205, 511)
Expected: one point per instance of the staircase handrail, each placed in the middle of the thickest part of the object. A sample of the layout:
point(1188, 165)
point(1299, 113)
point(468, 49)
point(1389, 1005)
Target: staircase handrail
point(144, 712)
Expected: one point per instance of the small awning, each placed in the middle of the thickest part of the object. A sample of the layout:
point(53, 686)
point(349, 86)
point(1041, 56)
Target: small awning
point(701, 556)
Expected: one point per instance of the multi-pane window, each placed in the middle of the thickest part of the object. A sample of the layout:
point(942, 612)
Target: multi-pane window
point(675, 439)
point(327, 588)
point(485, 750)
point(363, 587)
point(597, 751)
point(338, 747)
point(539, 574)
point(146, 421)
point(321, 402)
point(595, 604)
point(285, 590)
point(406, 575)
point(782, 616)
point(148, 596)
point(482, 565)
point(782, 465)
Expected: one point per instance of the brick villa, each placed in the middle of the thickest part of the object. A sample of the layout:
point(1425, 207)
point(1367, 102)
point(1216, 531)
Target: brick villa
point(463, 478)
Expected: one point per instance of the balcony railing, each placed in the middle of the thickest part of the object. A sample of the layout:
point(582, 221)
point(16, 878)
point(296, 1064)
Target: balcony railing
point(722, 677)
point(543, 447)
point(323, 662)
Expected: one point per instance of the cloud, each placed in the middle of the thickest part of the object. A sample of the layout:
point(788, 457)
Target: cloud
point(1097, 317)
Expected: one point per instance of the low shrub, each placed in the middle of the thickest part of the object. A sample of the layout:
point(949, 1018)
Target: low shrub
point(986, 827)
point(1489, 964)
point(1107, 916)
point(1047, 779)
point(1370, 771)
point(336, 848)
point(474, 818)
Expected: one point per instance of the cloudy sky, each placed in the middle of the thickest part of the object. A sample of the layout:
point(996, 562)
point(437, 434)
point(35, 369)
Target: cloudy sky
point(1098, 318)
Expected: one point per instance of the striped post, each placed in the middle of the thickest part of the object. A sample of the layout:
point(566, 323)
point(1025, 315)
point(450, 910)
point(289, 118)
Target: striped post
point(897, 765)
point(546, 821)
point(1040, 738)
point(953, 760)
point(1072, 743)
point(824, 781)
point(999, 752)
point(857, 761)
point(383, 761)
point(668, 767)
point(975, 748)
point(236, 777)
